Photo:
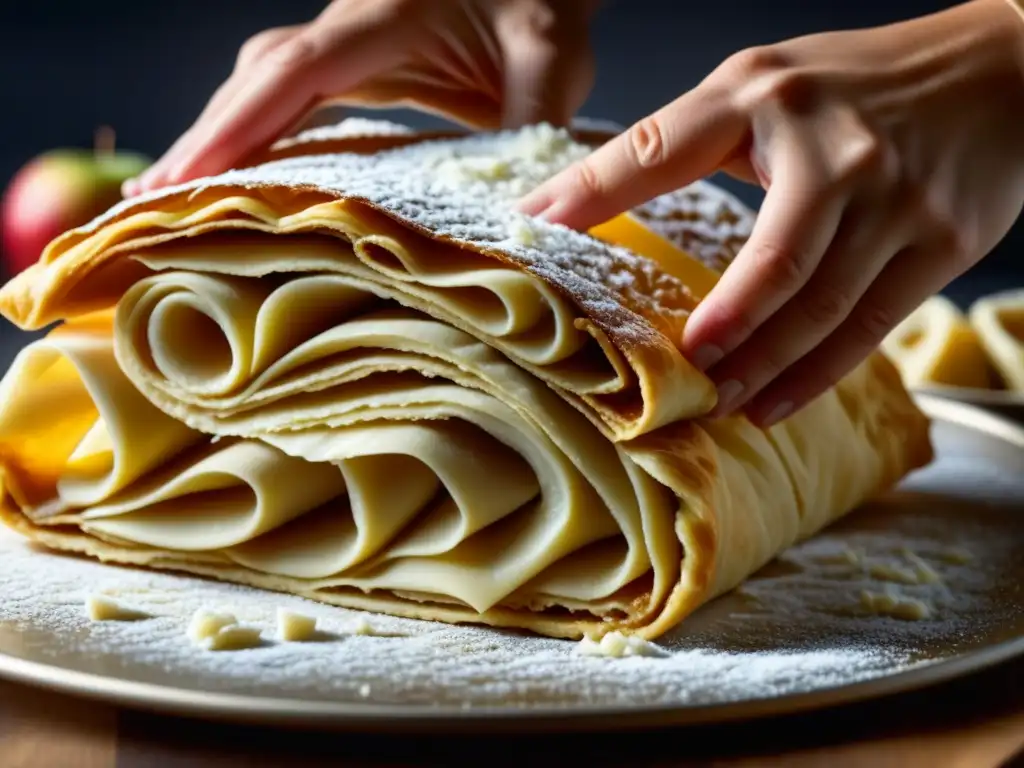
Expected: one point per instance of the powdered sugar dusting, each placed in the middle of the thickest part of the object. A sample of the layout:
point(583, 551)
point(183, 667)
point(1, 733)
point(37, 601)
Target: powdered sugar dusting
point(796, 627)
point(349, 127)
point(465, 189)
point(407, 662)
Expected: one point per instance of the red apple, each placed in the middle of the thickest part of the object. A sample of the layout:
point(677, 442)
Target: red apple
point(60, 190)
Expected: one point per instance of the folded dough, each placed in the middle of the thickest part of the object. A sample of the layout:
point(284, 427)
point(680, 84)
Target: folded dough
point(999, 322)
point(935, 344)
point(361, 378)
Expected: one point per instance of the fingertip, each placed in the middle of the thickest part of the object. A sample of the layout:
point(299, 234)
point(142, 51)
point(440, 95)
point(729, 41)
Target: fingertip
point(768, 413)
point(536, 203)
point(706, 356)
point(151, 178)
point(698, 341)
point(130, 187)
point(730, 398)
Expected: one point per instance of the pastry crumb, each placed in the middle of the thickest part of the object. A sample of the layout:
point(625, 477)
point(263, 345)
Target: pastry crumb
point(616, 645)
point(205, 624)
point(106, 608)
point(522, 232)
point(233, 637)
point(956, 556)
point(887, 572)
point(852, 556)
point(895, 606)
point(364, 627)
point(924, 572)
point(294, 627)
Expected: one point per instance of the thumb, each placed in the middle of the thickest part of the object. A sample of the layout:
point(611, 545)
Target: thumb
point(682, 142)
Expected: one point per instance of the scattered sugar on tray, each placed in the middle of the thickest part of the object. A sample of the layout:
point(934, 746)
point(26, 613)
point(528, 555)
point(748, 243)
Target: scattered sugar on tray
point(797, 625)
point(429, 663)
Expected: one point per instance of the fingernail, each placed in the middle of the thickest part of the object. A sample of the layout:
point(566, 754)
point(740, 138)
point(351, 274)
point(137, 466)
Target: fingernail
point(145, 181)
point(777, 414)
point(534, 205)
point(706, 356)
point(728, 392)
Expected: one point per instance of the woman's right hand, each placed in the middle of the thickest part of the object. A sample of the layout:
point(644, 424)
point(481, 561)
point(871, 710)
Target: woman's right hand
point(484, 63)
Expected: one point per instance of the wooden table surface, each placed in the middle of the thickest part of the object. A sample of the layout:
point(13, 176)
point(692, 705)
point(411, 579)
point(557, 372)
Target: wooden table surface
point(972, 723)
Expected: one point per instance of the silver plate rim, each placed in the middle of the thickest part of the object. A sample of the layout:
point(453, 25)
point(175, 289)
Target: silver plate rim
point(997, 398)
point(342, 716)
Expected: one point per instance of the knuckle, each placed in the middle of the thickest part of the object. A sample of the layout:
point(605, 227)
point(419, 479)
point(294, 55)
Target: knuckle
point(863, 156)
point(295, 53)
point(871, 323)
point(961, 247)
point(646, 142)
point(952, 240)
point(257, 46)
point(792, 90)
point(770, 365)
point(588, 178)
point(826, 305)
point(532, 19)
point(890, 165)
point(756, 61)
point(781, 268)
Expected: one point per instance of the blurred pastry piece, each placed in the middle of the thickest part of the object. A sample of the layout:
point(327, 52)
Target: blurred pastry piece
point(998, 322)
point(936, 344)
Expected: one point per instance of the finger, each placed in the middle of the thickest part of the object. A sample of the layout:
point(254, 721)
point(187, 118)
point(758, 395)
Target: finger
point(254, 49)
point(678, 144)
point(281, 88)
point(909, 278)
point(867, 239)
point(797, 223)
point(544, 81)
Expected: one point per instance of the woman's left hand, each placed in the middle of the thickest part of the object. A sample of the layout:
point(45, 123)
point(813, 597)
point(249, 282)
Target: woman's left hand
point(893, 160)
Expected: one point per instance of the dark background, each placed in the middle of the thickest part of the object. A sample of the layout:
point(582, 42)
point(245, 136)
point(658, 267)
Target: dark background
point(147, 68)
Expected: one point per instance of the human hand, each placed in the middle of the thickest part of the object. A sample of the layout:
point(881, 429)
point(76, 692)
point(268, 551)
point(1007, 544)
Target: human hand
point(484, 63)
point(893, 160)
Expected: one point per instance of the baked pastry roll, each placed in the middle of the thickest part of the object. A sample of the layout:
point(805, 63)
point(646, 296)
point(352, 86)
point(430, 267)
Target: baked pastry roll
point(361, 378)
point(999, 322)
point(935, 344)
